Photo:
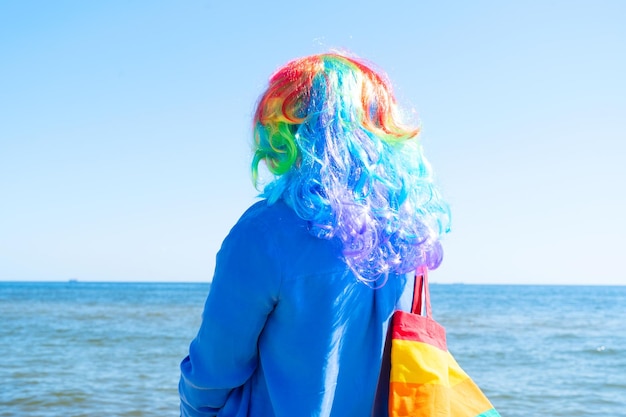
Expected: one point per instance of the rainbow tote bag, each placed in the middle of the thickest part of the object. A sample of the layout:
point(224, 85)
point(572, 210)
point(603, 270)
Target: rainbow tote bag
point(425, 380)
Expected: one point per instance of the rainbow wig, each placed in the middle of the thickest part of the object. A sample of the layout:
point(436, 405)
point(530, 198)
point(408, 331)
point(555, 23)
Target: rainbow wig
point(328, 130)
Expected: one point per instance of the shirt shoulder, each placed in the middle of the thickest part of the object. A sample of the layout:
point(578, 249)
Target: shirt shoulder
point(288, 237)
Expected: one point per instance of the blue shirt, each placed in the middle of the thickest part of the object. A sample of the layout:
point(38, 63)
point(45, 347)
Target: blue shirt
point(287, 329)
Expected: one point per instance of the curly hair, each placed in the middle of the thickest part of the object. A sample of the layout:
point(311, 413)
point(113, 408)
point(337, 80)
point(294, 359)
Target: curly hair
point(328, 129)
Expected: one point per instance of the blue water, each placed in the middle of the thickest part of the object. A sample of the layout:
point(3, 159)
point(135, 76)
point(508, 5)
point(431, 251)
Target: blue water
point(96, 349)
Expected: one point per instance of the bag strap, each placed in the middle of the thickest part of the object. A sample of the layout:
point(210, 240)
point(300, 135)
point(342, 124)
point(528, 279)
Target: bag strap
point(421, 294)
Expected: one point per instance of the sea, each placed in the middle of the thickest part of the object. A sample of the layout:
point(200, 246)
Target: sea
point(113, 349)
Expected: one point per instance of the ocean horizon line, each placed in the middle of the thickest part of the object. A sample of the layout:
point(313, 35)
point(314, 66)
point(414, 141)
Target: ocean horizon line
point(432, 282)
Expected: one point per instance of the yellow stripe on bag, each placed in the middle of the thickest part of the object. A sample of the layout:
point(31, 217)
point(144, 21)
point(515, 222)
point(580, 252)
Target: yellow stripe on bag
point(470, 400)
point(419, 363)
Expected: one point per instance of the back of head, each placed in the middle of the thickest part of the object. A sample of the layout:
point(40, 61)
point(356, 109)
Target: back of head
point(329, 130)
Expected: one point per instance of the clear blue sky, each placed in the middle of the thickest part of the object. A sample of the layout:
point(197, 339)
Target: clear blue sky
point(125, 129)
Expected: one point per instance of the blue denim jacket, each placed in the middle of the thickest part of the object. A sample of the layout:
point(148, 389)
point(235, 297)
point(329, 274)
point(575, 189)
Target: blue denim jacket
point(287, 329)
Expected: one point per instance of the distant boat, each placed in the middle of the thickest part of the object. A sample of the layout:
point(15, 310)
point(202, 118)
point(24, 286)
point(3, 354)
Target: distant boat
point(72, 280)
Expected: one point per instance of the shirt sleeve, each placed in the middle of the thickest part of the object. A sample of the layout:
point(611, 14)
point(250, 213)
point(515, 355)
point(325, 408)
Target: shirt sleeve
point(244, 291)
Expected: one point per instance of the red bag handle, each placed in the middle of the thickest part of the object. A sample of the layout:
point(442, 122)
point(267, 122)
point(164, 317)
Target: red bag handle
point(421, 294)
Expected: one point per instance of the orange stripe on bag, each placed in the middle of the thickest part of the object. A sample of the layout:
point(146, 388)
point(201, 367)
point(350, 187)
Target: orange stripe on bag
point(425, 400)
